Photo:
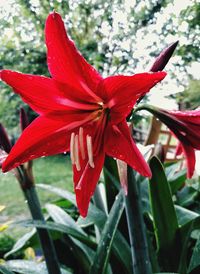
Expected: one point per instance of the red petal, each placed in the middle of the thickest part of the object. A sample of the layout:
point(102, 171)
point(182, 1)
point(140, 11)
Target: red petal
point(44, 94)
point(190, 158)
point(64, 61)
point(119, 144)
point(123, 91)
point(189, 116)
point(85, 182)
point(43, 137)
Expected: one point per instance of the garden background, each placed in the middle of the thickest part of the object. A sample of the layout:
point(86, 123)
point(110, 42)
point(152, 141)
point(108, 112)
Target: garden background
point(116, 37)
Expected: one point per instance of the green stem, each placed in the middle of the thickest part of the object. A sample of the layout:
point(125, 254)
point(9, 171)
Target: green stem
point(136, 227)
point(44, 236)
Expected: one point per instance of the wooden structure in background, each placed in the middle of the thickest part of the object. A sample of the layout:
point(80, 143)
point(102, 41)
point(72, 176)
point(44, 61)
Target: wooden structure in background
point(160, 134)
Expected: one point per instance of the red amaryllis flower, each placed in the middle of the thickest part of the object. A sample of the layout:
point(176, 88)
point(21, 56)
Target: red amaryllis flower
point(79, 111)
point(185, 125)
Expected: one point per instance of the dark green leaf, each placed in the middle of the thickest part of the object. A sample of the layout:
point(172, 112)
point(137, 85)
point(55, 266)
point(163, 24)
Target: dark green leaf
point(95, 216)
point(164, 215)
point(177, 181)
point(100, 261)
point(57, 227)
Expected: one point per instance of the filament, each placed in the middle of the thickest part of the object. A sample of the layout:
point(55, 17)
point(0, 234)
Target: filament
point(72, 147)
point(81, 142)
point(77, 161)
point(89, 150)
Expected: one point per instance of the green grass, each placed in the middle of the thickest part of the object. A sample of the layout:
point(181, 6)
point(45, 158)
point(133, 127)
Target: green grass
point(54, 170)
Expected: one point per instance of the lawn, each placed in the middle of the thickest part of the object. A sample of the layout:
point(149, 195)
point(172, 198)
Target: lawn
point(54, 170)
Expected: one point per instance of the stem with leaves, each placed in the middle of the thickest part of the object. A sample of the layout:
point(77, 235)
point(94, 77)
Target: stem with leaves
point(136, 227)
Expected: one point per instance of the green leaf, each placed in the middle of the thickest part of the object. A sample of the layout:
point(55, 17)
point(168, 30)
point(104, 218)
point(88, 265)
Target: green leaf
point(100, 261)
point(164, 215)
point(62, 193)
point(95, 216)
point(30, 267)
point(185, 215)
point(194, 261)
point(185, 232)
point(61, 217)
point(57, 227)
point(83, 254)
point(21, 242)
point(120, 246)
point(4, 270)
point(177, 181)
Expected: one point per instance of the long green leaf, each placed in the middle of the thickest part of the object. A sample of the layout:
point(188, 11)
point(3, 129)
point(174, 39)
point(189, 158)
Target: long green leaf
point(164, 215)
point(83, 253)
point(30, 267)
point(61, 217)
point(4, 270)
point(57, 227)
point(95, 216)
point(100, 261)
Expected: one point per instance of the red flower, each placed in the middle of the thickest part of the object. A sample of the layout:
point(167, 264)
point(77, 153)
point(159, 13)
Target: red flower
point(185, 125)
point(79, 111)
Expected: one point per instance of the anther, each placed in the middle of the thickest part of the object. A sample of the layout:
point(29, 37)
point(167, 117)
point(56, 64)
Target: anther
point(72, 148)
point(89, 150)
point(77, 162)
point(81, 142)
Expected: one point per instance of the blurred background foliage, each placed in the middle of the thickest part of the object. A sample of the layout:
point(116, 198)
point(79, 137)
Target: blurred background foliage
point(112, 35)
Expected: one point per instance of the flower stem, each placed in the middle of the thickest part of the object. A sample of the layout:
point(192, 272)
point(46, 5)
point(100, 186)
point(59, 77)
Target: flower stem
point(136, 227)
point(26, 181)
point(45, 239)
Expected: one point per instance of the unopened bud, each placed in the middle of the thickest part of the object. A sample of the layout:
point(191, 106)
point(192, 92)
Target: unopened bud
point(23, 119)
point(162, 60)
point(4, 140)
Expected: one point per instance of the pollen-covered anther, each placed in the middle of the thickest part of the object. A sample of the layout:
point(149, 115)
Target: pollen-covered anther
point(81, 143)
point(76, 152)
point(90, 151)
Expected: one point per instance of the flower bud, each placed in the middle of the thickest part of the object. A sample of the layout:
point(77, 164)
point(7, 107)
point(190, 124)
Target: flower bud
point(23, 119)
point(163, 58)
point(4, 140)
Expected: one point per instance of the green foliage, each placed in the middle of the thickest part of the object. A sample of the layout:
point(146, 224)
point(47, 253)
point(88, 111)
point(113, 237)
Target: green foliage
point(6, 243)
point(189, 98)
point(98, 240)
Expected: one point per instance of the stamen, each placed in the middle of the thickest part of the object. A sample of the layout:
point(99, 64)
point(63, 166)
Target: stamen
point(89, 150)
point(77, 162)
point(72, 155)
point(81, 142)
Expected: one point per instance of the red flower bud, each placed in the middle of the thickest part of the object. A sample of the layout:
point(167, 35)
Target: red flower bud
point(163, 58)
